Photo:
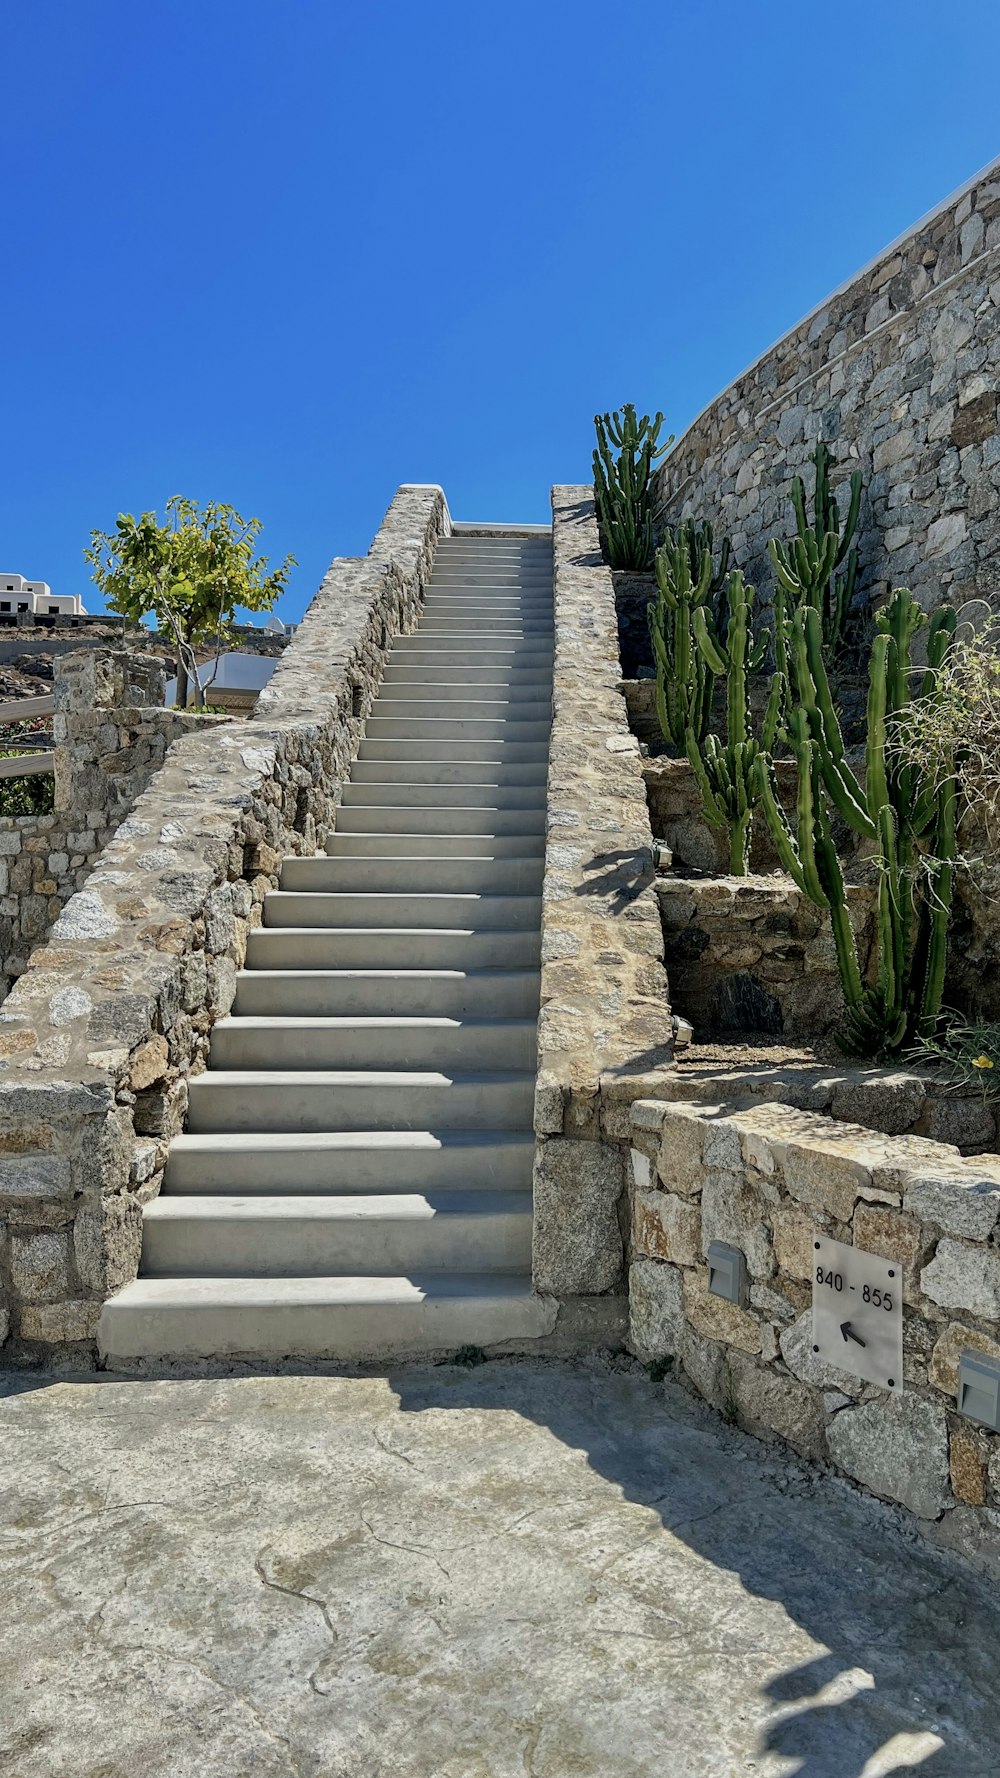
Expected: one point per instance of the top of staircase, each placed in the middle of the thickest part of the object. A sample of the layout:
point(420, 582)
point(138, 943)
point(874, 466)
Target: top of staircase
point(484, 530)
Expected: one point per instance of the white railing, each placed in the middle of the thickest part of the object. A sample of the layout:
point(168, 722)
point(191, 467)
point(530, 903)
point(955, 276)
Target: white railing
point(29, 764)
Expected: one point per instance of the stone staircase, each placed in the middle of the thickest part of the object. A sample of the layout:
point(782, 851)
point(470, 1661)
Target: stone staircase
point(355, 1175)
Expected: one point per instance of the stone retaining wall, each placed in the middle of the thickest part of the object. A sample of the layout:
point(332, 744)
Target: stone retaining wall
point(605, 1025)
point(100, 1034)
point(111, 733)
point(899, 371)
point(768, 1180)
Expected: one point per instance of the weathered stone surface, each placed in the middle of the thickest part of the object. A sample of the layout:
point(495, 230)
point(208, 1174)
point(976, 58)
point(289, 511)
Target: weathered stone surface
point(794, 1233)
point(961, 1276)
point(893, 1235)
point(796, 1344)
point(107, 1239)
point(830, 1171)
point(769, 1403)
point(656, 1309)
point(967, 1467)
point(667, 1227)
point(680, 1161)
point(577, 1243)
point(734, 1209)
point(960, 1203)
point(898, 1448)
point(57, 1324)
point(717, 1319)
point(942, 1369)
point(39, 1266)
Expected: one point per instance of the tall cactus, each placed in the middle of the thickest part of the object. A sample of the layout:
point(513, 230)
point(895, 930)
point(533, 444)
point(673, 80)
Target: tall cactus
point(910, 821)
point(725, 773)
point(807, 566)
point(623, 485)
point(686, 579)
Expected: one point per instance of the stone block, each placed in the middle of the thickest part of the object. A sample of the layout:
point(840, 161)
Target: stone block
point(942, 1369)
point(107, 1239)
point(967, 1467)
point(770, 1403)
point(897, 1448)
point(893, 1235)
point(680, 1163)
point(889, 1102)
point(796, 1344)
point(794, 1232)
point(655, 1309)
point(961, 1276)
point(961, 1203)
point(60, 1323)
point(716, 1319)
point(149, 1063)
point(735, 1210)
point(828, 1173)
point(577, 1243)
point(666, 1226)
point(39, 1265)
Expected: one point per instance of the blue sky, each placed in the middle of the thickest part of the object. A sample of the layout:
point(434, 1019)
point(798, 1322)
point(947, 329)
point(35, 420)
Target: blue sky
point(290, 253)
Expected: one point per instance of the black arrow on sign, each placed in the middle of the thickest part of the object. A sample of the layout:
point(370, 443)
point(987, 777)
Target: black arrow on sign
point(849, 1334)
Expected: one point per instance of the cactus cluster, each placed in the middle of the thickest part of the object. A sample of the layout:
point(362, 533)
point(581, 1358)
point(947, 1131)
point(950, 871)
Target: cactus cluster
point(819, 565)
point(623, 484)
point(687, 580)
point(908, 818)
point(726, 773)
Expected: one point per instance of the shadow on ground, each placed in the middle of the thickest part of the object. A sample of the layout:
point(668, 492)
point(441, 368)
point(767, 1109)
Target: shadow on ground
point(523, 1569)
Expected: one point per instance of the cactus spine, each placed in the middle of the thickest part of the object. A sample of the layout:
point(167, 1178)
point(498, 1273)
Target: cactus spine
point(726, 773)
point(910, 820)
point(807, 566)
point(623, 485)
point(686, 579)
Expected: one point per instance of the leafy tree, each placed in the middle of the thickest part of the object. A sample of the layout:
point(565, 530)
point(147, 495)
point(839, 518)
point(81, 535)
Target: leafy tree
point(192, 573)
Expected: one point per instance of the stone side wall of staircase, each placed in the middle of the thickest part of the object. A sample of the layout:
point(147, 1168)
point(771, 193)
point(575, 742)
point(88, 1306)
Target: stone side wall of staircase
point(99, 1036)
point(605, 1031)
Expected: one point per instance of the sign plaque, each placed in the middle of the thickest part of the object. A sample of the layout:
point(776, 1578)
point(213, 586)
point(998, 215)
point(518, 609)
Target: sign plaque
point(858, 1313)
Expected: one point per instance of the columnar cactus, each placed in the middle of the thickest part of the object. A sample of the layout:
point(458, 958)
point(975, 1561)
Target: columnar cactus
point(806, 567)
point(909, 818)
point(686, 579)
point(725, 773)
point(623, 485)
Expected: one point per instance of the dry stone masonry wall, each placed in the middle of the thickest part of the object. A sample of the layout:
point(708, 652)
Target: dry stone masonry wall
point(100, 1034)
point(769, 1179)
point(900, 373)
point(605, 1026)
point(111, 733)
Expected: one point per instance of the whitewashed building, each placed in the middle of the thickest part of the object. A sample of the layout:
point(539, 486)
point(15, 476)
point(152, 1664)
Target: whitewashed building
point(37, 597)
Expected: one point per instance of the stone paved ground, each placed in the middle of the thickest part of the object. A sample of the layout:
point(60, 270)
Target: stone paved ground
point(526, 1570)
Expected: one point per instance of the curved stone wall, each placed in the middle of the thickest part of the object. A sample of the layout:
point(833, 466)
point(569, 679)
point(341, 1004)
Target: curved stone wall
point(899, 371)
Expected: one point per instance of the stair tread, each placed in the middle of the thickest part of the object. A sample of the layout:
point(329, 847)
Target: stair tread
point(291, 1141)
point(405, 1022)
point(418, 1206)
point(357, 1077)
point(332, 1290)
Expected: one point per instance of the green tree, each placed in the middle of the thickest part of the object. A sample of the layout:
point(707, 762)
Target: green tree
point(193, 573)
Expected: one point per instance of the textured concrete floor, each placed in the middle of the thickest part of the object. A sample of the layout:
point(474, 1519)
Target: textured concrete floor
point(526, 1570)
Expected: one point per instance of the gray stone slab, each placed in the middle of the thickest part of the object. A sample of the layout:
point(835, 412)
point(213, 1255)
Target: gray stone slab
point(522, 1570)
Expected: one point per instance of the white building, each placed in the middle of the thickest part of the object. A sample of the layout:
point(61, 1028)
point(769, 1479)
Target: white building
point(37, 597)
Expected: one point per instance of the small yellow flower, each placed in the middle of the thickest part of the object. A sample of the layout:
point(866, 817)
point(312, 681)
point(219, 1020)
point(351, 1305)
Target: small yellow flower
point(982, 1062)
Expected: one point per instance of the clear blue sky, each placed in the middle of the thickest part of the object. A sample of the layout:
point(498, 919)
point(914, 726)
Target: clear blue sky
point(290, 253)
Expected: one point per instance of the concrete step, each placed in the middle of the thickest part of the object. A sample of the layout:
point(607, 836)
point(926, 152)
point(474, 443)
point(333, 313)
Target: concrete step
point(494, 578)
point(325, 1236)
point(357, 1099)
point(411, 651)
point(459, 689)
point(419, 911)
point(528, 679)
point(403, 709)
point(468, 752)
point(368, 947)
point(388, 993)
point(442, 771)
point(283, 1164)
point(407, 876)
point(404, 818)
point(489, 629)
point(435, 845)
point(454, 728)
point(394, 1044)
point(485, 794)
point(343, 1318)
